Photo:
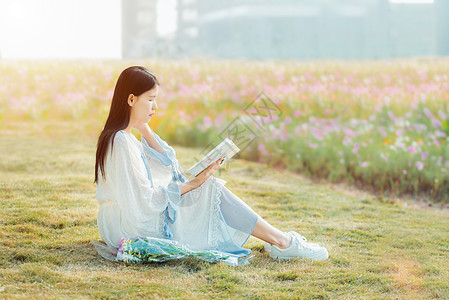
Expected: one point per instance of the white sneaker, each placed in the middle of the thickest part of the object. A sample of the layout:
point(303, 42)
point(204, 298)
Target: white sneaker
point(299, 247)
point(267, 247)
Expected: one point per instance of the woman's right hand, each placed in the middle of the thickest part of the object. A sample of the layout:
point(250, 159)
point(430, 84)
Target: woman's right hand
point(209, 171)
point(200, 178)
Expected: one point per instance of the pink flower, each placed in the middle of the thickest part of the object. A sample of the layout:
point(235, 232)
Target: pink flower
point(411, 149)
point(400, 145)
point(424, 155)
point(391, 116)
point(207, 121)
point(404, 172)
point(349, 132)
point(346, 141)
point(440, 134)
point(436, 123)
point(121, 244)
point(419, 165)
point(288, 120)
point(363, 164)
point(28, 101)
point(218, 120)
point(297, 114)
point(428, 113)
point(436, 143)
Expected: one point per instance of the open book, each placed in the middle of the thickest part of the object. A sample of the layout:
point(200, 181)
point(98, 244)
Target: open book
point(226, 148)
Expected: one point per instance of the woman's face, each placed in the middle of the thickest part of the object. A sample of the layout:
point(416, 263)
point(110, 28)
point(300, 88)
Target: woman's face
point(144, 106)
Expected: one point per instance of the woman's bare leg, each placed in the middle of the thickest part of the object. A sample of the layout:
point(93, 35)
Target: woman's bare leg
point(270, 234)
point(231, 205)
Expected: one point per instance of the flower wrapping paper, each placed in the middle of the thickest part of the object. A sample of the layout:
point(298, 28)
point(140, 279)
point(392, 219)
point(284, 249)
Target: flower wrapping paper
point(149, 249)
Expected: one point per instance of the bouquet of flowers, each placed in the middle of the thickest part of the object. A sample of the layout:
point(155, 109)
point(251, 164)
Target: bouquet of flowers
point(150, 249)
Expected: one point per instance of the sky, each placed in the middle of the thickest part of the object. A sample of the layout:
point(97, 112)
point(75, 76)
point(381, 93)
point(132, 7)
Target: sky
point(66, 29)
point(60, 29)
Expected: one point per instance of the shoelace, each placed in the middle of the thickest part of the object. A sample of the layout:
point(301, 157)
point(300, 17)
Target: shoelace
point(302, 240)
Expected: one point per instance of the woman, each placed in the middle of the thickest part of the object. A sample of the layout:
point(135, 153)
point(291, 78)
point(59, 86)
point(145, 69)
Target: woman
point(143, 191)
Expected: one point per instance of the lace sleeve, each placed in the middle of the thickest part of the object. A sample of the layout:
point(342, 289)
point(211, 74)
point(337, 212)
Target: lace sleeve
point(168, 158)
point(136, 197)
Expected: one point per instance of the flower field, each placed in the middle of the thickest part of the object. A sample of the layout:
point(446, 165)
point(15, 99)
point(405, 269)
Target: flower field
point(383, 125)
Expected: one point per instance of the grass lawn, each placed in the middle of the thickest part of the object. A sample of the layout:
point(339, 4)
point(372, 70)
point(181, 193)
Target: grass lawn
point(48, 218)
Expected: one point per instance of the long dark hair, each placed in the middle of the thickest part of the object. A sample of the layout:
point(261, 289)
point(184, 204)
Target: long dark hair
point(134, 80)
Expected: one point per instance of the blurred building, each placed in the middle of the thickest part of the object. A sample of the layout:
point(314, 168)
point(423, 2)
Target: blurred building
point(139, 31)
point(307, 29)
point(442, 27)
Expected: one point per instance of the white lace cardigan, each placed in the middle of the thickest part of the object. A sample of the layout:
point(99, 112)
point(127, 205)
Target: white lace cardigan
point(141, 197)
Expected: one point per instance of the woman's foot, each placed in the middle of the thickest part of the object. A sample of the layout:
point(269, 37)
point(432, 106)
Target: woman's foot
point(299, 247)
point(282, 245)
point(267, 247)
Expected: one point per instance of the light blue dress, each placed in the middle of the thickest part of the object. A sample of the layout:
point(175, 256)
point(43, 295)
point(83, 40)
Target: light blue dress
point(209, 217)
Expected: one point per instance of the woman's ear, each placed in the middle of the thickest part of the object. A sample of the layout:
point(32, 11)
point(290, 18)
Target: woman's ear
point(131, 99)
